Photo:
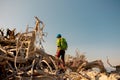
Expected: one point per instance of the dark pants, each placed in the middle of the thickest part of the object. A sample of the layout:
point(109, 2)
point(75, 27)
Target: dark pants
point(61, 53)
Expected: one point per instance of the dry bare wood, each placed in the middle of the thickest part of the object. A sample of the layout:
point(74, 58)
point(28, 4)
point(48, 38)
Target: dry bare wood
point(22, 59)
point(117, 67)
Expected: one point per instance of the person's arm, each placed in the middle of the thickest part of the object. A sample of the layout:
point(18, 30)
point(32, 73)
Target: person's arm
point(58, 43)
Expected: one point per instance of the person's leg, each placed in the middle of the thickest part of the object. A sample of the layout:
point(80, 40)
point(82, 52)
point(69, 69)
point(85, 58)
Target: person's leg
point(58, 53)
point(63, 57)
point(57, 57)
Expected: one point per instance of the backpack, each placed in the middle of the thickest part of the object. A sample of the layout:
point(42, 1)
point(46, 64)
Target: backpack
point(64, 44)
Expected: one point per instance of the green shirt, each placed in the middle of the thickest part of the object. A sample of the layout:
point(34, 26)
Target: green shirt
point(61, 43)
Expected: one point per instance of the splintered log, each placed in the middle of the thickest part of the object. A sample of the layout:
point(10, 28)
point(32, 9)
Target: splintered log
point(18, 60)
point(45, 55)
point(7, 42)
point(95, 64)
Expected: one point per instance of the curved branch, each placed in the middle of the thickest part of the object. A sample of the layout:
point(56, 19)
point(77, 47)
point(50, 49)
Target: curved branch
point(47, 65)
point(110, 64)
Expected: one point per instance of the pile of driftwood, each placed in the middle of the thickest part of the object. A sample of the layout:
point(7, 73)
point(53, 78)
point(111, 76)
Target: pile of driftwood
point(22, 57)
point(78, 68)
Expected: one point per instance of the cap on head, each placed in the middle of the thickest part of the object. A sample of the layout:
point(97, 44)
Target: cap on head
point(59, 36)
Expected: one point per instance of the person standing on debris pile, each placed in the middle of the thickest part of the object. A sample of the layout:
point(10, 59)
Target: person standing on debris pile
point(61, 47)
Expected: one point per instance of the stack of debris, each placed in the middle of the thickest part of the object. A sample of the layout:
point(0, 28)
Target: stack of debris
point(22, 57)
point(78, 68)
